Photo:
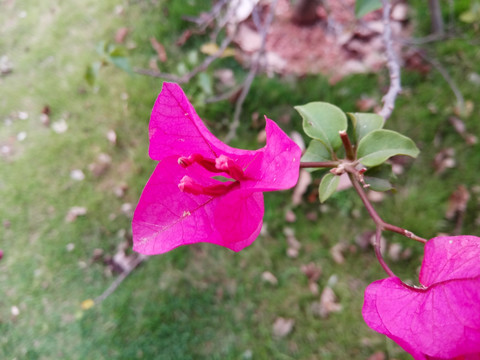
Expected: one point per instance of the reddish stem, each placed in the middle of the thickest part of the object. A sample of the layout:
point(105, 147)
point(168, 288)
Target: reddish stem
point(378, 253)
point(347, 144)
point(319, 164)
point(381, 225)
point(377, 219)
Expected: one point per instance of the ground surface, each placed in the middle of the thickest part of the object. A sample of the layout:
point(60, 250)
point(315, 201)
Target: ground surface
point(58, 152)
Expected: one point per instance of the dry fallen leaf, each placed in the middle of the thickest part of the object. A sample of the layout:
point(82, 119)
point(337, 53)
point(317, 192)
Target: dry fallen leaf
point(120, 190)
point(460, 128)
point(14, 311)
point(328, 303)
point(240, 10)
point(313, 273)
point(457, 203)
point(158, 47)
point(375, 196)
point(77, 175)
point(365, 104)
point(268, 277)
point(304, 180)
point(75, 212)
point(121, 34)
point(282, 327)
point(262, 136)
point(290, 216)
point(444, 160)
point(225, 76)
point(293, 244)
point(337, 252)
point(97, 254)
point(248, 39)
point(101, 165)
point(395, 251)
point(127, 209)
point(112, 136)
point(379, 355)
point(298, 139)
point(212, 49)
point(87, 304)
point(5, 65)
point(60, 126)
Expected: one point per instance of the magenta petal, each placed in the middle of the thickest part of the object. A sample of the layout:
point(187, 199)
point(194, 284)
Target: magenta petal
point(176, 129)
point(442, 320)
point(166, 217)
point(277, 164)
point(450, 258)
point(186, 200)
point(238, 218)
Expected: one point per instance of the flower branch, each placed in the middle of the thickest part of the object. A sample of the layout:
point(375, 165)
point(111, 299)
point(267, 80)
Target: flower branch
point(392, 65)
point(376, 218)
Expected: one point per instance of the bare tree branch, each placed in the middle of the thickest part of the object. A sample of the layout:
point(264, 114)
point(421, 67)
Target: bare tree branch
point(187, 77)
point(448, 79)
point(205, 20)
point(138, 260)
point(251, 74)
point(392, 65)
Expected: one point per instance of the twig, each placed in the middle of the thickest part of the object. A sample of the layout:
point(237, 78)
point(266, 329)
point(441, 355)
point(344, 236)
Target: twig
point(392, 64)
point(378, 252)
point(203, 21)
point(448, 79)
point(138, 260)
point(423, 40)
point(187, 77)
point(251, 75)
point(376, 218)
point(226, 95)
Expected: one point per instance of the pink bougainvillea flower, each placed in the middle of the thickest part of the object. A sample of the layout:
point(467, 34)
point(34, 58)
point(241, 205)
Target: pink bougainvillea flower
point(203, 190)
point(440, 320)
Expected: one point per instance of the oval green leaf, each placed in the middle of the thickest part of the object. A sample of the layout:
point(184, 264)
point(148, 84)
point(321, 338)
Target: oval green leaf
point(379, 145)
point(378, 184)
point(323, 121)
point(328, 186)
point(316, 152)
point(364, 123)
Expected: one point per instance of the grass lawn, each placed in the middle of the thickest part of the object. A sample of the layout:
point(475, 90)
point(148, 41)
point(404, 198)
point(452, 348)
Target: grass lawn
point(202, 301)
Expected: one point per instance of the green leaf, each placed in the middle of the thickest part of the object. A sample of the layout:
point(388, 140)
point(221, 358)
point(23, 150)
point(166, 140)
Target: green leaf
point(328, 186)
point(378, 184)
point(365, 123)
point(117, 51)
point(91, 73)
point(102, 48)
point(205, 83)
point(316, 152)
point(122, 63)
point(363, 7)
point(379, 145)
point(323, 121)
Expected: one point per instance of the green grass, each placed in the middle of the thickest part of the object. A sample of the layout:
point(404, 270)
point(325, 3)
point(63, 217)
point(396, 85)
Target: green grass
point(200, 301)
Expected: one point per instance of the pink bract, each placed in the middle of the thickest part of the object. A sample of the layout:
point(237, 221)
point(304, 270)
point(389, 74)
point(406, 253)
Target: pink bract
point(203, 190)
point(440, 320)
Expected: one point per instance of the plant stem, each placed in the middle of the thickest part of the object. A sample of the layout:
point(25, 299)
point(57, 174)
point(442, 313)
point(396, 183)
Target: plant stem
point(319, 164)
point(376, 218)
point(347, 144)
point(378, 253)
